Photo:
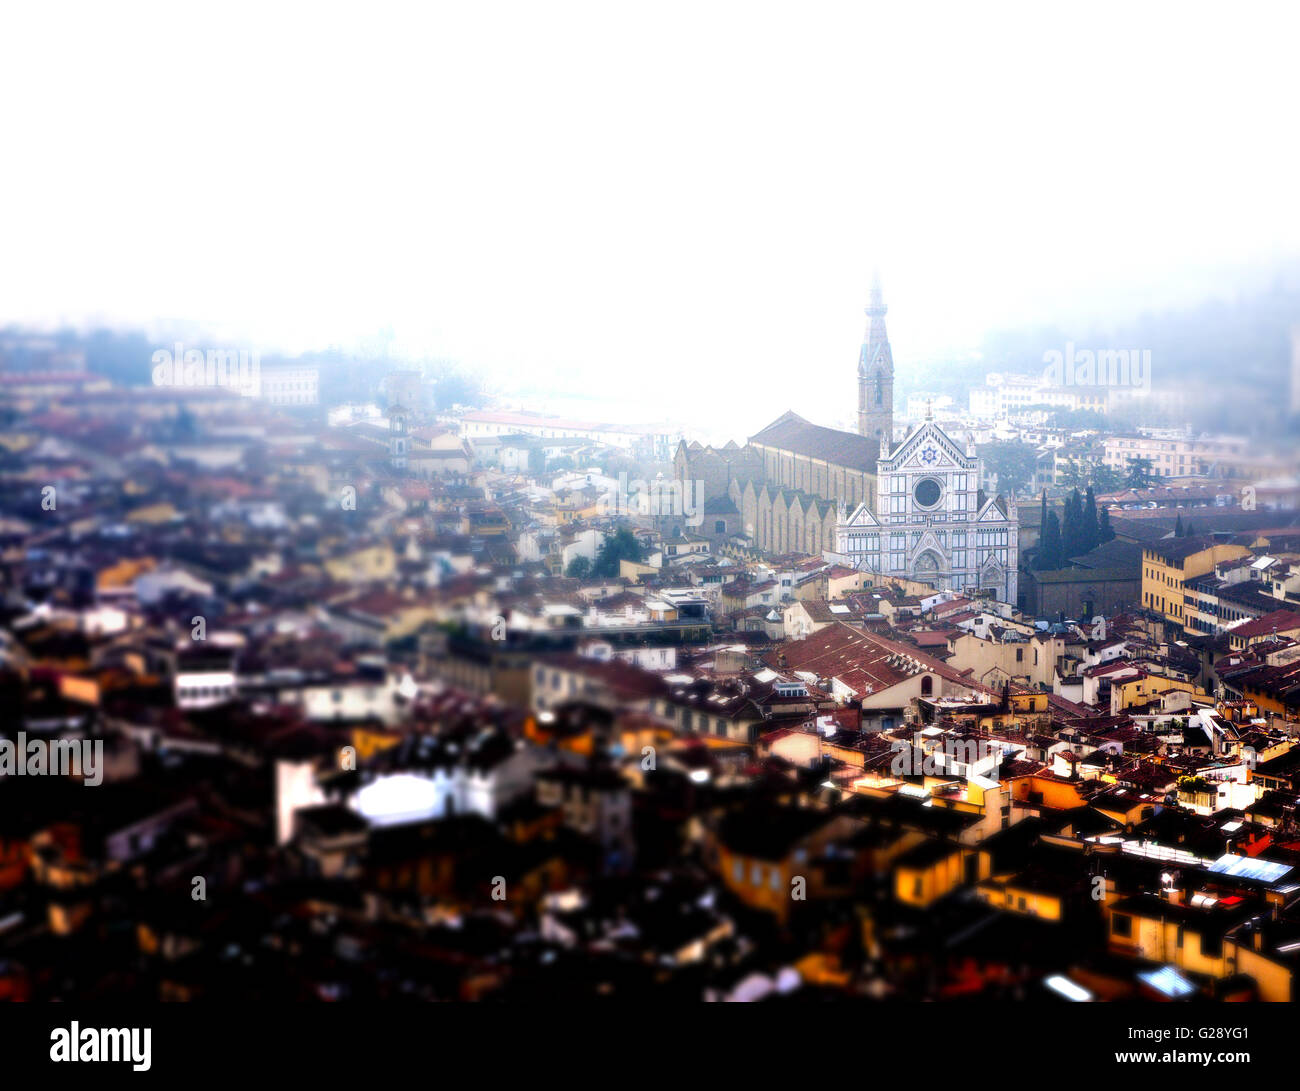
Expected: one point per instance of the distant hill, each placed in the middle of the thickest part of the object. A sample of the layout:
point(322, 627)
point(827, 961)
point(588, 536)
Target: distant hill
point(126, 357)
point(1231, 357)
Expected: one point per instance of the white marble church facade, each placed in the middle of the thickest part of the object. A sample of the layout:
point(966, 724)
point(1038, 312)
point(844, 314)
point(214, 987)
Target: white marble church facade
point(930, 523)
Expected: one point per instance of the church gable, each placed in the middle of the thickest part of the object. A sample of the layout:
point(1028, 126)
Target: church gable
point(927, 448)
point(929, 544)
point(930, 456)
point(863, 516)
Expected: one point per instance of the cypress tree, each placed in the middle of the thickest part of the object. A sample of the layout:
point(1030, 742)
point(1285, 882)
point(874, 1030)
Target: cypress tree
point(1178, 527)
point(1072, 528)
point(1040, 560)
point(1105, 532)
point(1049, 545)
point(1091, 529)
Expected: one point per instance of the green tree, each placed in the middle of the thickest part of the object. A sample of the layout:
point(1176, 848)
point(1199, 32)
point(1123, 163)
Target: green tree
point(1179, 532)
point(1072, 539)
point(454, 385)
point(1105, 479)
point(1014, 463)
point(1049, 545)
point(1140, 473)
point(1106, 532)
point(1091, 528)
point(622, 545)
point(579, 568)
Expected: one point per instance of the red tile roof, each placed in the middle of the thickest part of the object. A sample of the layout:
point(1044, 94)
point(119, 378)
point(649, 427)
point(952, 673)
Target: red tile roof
point(862, 660)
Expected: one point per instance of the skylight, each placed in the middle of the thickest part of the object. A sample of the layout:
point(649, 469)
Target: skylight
point(1168, 982)
point(1244, 867)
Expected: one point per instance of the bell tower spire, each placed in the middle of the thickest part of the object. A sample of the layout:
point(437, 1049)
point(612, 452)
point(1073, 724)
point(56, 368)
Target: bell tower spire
point(876, 372)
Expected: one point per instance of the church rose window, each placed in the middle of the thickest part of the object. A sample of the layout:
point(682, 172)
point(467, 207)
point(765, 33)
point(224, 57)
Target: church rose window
point(927, 492)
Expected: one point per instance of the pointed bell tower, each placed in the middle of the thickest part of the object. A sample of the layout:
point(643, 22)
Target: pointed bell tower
point(398, 436)
point(876, 373)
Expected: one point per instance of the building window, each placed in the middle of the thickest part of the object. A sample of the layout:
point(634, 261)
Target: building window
point(927, 492)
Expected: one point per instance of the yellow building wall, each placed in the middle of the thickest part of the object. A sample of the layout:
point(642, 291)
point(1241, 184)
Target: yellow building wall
point(74, 688)
point(1157, 940)
point(373, 563)
point(921, 886)
point(152, 513)
point(123, 572)
point(1267, 702)
point(1138, 691)
point(367, 742)
point(1056, 795)
point(1273, 980)
point(1162, 583)
point(1029, 702)
point(758, 895)
point(1037, 903)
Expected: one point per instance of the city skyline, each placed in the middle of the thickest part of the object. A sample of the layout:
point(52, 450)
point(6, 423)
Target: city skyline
point(577, 506)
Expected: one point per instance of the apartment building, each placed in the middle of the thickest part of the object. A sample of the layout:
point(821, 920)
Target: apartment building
point(1169, 563)
point(1174, 456)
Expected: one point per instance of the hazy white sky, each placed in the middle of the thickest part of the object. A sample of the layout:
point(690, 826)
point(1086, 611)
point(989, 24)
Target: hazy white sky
point(690, 192)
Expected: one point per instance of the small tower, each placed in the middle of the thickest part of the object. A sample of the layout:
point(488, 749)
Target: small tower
point(397, 437)
point(876, 374)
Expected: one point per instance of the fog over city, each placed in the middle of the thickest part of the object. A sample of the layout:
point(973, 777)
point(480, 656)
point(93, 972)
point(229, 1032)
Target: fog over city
point(585, 200)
